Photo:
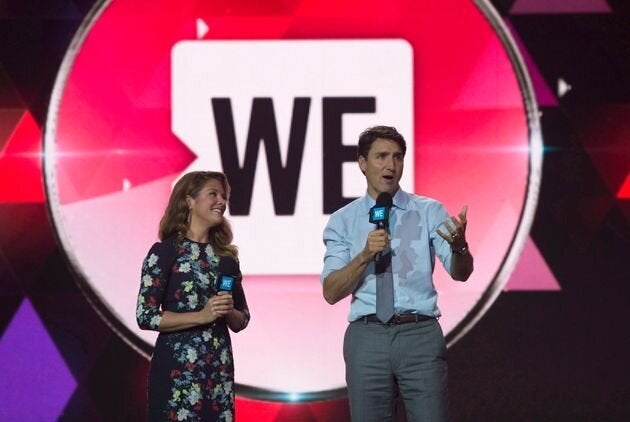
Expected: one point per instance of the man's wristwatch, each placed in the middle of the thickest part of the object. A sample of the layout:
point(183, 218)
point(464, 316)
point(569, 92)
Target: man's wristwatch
point(461, 251)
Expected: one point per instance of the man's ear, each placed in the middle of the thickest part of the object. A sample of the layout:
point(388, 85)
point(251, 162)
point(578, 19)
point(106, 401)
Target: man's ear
point(362, 163)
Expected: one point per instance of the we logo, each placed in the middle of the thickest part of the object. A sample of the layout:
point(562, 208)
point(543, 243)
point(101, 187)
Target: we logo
point(281, 119)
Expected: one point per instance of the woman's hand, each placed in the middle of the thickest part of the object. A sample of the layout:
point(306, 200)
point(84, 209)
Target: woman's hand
point(217, 307)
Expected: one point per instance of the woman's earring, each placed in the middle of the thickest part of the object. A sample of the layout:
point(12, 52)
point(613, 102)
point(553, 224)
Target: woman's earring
point(189, 216)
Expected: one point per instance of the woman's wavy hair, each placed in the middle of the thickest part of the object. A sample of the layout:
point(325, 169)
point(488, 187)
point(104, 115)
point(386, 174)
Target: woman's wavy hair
point(175, 219)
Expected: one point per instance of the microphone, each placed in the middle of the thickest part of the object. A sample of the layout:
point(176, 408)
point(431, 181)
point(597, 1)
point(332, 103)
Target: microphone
point(379, 213)
point(227, 273)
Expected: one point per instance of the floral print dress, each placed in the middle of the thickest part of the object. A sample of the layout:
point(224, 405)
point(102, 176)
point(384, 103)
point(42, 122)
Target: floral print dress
point(192, 371)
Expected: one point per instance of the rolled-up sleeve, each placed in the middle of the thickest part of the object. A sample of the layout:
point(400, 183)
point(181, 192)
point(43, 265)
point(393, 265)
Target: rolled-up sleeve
point(438, 215)
point(337, 253)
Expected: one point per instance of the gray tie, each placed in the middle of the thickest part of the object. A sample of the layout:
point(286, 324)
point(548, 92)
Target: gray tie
point(384, 287)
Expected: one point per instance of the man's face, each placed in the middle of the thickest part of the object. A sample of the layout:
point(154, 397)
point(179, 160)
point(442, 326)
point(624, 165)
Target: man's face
point(383, 167)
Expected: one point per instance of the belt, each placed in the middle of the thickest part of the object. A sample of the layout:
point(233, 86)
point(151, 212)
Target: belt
point(396, 319)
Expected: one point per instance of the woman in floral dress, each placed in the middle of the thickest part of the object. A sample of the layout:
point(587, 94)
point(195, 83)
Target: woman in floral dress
point(192, 371)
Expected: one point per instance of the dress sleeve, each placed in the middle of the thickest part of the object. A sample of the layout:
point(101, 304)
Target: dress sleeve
point(240, 302)
point(153, 282)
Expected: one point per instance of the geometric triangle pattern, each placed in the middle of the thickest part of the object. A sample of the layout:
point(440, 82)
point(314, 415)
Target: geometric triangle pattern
point(602, 130)
point(9, 96)
point(483, 92)
point(21, 163)
point(544, 95)
point(35, 382)
point(9, 118)
point(624, 190)
point(559, 6)
point(532, 272)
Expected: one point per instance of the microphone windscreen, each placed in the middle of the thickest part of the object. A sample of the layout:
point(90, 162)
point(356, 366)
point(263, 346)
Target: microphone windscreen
point(384, 200)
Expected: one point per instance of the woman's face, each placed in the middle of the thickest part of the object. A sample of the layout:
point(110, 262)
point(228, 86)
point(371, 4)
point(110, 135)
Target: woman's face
point(208, 207)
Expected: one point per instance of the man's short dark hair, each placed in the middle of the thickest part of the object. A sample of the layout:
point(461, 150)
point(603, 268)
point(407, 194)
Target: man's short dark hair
point(369, 135)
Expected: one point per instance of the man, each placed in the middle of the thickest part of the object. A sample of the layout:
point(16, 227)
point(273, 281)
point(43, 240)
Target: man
point(406, 353)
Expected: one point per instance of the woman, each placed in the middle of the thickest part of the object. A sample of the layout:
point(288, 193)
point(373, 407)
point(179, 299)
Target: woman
point(192, 371)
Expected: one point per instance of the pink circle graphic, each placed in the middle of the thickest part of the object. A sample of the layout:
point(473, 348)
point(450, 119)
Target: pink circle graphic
point(136, 104)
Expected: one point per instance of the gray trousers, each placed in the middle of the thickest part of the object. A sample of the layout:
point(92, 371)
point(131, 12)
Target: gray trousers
point(382, 360)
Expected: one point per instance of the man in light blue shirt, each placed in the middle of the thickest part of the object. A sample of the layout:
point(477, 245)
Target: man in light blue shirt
point(406, 353)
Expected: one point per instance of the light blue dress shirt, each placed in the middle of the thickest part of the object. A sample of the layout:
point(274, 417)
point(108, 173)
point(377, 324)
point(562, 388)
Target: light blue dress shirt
point(415, 244)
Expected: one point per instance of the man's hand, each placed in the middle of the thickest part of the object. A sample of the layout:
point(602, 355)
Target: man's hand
point(377, 241)
point(456, 236)
point(462, 262)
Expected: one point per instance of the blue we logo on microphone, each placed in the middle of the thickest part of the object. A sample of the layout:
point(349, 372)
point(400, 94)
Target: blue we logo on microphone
point(379, 214)
point(226, 282)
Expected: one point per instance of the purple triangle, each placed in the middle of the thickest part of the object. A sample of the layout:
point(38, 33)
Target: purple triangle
point(544, 95)
point(35, 384)
point(526, 7)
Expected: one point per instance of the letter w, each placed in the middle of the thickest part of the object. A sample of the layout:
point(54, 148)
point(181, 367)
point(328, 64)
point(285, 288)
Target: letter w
point(262, 127)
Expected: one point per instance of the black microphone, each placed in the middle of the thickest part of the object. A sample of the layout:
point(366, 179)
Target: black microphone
point(227, 273)
point(379, 213)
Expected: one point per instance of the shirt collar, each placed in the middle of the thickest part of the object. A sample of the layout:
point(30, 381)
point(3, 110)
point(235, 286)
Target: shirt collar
point(400, 200)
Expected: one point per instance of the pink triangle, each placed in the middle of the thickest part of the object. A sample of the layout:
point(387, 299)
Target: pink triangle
point(544, 96)
point(490, 81)
point(532, 272)
point(525, 7)
point(624, 190)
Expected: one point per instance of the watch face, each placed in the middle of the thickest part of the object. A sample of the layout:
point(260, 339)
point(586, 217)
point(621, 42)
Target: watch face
point(275, 95)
